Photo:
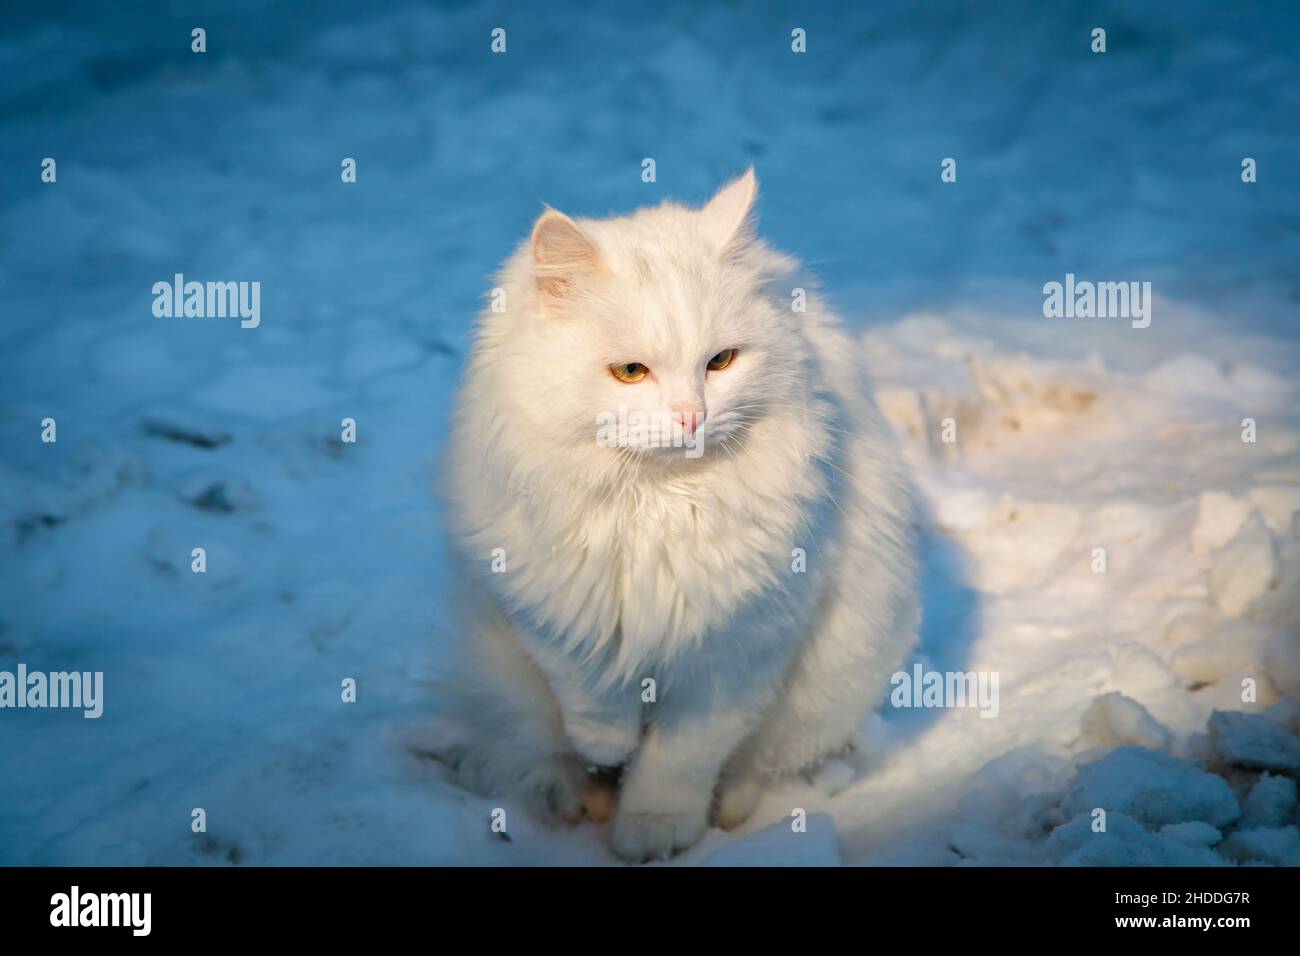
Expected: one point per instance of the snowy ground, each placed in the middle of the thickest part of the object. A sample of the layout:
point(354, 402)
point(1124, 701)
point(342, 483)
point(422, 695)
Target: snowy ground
point(222, 690)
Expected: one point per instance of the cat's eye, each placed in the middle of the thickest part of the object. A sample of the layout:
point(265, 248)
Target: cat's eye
point(630, 372)
point(722, 360)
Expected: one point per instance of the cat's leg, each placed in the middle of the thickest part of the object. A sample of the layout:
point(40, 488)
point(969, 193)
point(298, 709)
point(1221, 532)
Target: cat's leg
point(695, 727)
point(602, 721)
point(740, 787)
point(664, 806)
point(515, 740)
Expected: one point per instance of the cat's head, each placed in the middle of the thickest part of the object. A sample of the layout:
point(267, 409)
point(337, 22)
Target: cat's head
point(661, 333)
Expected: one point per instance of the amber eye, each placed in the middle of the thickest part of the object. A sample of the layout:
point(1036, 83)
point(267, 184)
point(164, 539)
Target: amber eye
point(722, 360)
point(630, 372)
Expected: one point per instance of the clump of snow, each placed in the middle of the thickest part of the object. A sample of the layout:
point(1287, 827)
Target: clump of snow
point(1187, 627)
point(1124, 842)
point(1254, 741)
point(1279, 505)
point(1007, 808)
point(1245, 568)
point(1270, 803)
point(1019, 542)
point(1233, 649)
point(1112, 720)
point(1152, 788)
point(1281, 660)
point(1277, 845)
point(209, 491)
point(1219, 517)
point(1193, 833)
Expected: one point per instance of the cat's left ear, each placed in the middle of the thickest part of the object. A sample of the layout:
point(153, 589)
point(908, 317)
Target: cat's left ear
point(562, 253)
point(728, 219)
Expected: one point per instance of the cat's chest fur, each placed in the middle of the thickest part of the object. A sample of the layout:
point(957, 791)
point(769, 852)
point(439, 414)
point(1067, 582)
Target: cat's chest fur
point(655, 569)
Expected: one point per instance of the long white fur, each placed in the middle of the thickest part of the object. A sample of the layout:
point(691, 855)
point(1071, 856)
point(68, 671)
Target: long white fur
point(623, 565)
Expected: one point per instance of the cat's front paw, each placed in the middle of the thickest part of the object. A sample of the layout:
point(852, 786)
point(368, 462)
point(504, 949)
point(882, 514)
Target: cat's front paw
point(641, 836)
point(555, 788)
point(736, 801)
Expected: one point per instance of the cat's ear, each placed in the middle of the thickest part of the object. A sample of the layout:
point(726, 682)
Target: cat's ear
point(727, 218)
point(562, 253)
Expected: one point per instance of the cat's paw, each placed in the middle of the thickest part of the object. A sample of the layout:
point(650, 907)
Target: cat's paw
point(557, 786)
point(736, 801)
point(641, 836)
point(600, 799)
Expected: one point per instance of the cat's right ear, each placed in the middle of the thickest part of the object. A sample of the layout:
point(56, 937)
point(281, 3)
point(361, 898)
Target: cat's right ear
point(562, 254)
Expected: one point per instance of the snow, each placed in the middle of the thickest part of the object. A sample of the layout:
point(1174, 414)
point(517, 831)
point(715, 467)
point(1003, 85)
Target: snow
point(1124, 842)
point(780, 844)
point(1279, 505)
point(1112, 720)
point(1279, 846)
point(1218, 519)
point(1280, 658)
point(1099, 534)
point(1193, 833)
point(1270, 803)
point(1252, 740)
point(1152, 788)
point(1234, 646)
point(1246, 568)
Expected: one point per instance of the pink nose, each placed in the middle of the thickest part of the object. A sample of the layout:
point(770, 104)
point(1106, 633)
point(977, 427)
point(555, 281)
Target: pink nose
point(690, 417)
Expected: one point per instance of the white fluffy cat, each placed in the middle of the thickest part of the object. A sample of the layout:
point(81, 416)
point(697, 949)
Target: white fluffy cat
point(709, 616)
